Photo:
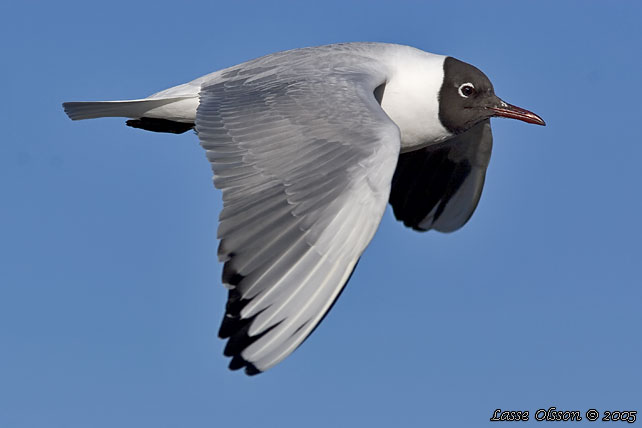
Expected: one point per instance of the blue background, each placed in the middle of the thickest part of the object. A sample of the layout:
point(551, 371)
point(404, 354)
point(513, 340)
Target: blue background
point(110, 297)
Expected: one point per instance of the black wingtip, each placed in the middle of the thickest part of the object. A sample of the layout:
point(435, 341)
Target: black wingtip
point(239, 362)
point(251, 370)
point(235, 328)
point(232, 321)
point(231, 277)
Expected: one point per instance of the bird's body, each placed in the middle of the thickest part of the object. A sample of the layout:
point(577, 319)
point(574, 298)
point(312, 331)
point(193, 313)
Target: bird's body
point(305, 146)
point(409, 73)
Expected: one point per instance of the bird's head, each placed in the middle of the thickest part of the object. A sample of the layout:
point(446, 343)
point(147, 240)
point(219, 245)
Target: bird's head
point(467, 97)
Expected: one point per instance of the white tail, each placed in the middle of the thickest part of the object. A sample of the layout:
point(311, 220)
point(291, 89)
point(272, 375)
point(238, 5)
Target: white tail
point(132, 108)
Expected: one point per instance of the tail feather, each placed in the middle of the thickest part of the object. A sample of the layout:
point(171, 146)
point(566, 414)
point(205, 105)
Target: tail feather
point(132, 109)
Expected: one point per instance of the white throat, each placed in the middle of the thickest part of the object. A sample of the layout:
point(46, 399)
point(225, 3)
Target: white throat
point(411, 97)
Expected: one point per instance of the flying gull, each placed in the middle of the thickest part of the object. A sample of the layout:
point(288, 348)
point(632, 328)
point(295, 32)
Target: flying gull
point(308, 146)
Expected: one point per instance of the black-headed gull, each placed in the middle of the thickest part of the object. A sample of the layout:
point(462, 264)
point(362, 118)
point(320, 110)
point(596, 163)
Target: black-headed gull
point(307, 147)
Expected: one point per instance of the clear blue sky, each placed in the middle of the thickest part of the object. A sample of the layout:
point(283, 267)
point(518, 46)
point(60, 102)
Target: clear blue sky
point(110, 297)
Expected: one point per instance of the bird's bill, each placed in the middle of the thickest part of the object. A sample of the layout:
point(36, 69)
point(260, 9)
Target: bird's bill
point(513, 112)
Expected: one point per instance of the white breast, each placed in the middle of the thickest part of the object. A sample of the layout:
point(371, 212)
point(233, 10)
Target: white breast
point(411, 97)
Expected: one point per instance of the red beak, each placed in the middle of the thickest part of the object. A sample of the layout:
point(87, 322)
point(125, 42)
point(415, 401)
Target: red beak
point(514, 112)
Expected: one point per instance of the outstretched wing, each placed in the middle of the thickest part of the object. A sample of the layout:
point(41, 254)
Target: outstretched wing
point(304, 159)
point(438, 187)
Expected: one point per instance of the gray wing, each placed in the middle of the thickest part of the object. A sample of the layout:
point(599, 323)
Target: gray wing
point(304, 159)
point(438, 187)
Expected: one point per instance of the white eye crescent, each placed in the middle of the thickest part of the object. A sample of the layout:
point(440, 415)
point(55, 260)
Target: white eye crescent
point(466, 89)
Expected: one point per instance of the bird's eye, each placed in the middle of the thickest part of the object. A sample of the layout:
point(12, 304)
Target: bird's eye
point(466, 90)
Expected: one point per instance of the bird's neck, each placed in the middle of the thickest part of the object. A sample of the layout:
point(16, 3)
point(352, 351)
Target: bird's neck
point(411, 97)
